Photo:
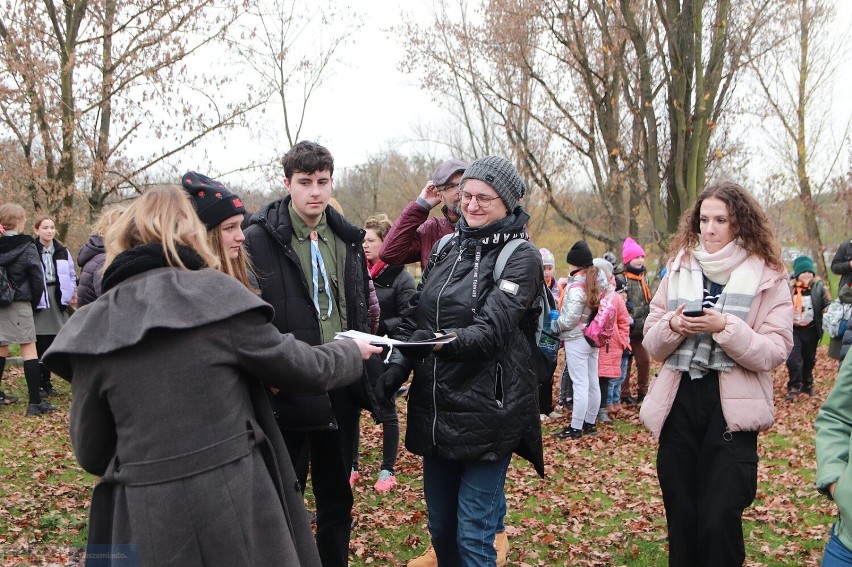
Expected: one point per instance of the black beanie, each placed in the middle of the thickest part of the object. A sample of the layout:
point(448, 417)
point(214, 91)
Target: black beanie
point(212, 201)
point(580, 255)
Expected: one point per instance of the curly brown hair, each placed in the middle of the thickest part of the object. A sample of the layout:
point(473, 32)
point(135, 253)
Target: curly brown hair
point(749, 224)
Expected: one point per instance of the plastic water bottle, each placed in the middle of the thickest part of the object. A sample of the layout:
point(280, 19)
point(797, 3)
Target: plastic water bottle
point(554, 325)
point(549, 340)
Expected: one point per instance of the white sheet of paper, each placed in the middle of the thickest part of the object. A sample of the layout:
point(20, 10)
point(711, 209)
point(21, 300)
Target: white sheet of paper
point(377, 340)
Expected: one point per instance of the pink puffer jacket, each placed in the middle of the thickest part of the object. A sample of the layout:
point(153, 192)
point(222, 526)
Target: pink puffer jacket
point(757, 346)
point(609, 361)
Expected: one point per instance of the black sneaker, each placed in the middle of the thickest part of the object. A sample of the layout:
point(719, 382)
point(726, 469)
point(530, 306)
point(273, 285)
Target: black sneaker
point(640, 399)
point(808, 391)
point(7, 400)
point(569, 433)
point(41, 408)
point(589, 429)
point(791, 395)
point(47, 391)
point(628, 401)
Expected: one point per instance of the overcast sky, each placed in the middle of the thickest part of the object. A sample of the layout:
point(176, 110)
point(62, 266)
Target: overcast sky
point(367, 105)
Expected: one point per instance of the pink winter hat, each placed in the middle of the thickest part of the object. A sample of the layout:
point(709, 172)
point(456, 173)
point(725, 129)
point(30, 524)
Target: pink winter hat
point(630, 249)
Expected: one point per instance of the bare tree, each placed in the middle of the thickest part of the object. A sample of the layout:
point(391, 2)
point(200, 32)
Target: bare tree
point(293, 51)
point(793, 77)
point(383, 184)
point(86, 83)
point(590, 83)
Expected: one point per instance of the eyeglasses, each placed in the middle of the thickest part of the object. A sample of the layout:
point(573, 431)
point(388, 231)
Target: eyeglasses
point(483, 200)
point(446, 187)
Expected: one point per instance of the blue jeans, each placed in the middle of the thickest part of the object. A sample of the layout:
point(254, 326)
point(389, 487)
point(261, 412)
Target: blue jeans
point(465, 501)
point(614, 390)
point(836, 554)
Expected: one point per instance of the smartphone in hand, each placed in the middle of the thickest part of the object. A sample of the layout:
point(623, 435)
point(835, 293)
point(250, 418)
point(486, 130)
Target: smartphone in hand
point(696, 313)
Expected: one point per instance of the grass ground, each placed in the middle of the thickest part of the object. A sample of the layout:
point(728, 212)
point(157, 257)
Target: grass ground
point(599, 504)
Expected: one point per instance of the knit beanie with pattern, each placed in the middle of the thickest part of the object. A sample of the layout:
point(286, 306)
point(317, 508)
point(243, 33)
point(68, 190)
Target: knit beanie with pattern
point(501, 175)
point(213, 202)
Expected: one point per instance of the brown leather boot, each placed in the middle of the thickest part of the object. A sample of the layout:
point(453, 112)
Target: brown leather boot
point(501, 544)
point(428, 559)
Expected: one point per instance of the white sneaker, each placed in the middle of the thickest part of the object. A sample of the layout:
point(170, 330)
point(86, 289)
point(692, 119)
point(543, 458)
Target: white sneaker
point(554, 415)
point(543, 417)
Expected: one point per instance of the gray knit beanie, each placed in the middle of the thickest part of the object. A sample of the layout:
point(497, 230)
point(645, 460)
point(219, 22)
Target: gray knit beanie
point(501, 175)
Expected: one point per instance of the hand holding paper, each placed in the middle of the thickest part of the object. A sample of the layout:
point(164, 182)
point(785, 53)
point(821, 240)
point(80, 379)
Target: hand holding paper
point(424, 346)
point(385, 341)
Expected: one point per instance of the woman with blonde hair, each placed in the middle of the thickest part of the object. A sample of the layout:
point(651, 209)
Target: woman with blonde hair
point(19, 259)
point(93, 254)
point(201, 478)
point(720, 322)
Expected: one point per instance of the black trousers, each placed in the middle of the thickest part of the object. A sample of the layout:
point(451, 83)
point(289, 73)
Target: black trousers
point(708, 476)
point(545, 390)
point(329, 454)
point(43, 343)
point(800, 363)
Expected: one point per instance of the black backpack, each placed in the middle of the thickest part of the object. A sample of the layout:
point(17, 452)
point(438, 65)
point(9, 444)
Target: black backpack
point(7, 290)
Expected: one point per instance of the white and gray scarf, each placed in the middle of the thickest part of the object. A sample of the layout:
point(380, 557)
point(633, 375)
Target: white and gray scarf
point(731, 267)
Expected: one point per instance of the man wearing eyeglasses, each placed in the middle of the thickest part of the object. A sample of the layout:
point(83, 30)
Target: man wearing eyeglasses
point(413, 234)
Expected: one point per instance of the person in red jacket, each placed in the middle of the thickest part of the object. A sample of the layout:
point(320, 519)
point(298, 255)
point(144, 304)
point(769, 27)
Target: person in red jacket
point(413, 234)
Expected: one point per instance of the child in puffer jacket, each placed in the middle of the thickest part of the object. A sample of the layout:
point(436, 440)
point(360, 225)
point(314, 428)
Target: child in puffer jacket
point(609, 358)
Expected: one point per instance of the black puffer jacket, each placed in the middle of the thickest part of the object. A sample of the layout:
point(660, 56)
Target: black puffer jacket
point(284, 286)
point(91, 261)
point(840, 264)
point(477, 399)
point(19, 256)
point(394, 288)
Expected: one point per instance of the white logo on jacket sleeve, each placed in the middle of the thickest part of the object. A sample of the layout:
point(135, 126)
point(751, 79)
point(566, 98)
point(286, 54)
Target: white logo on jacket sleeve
point(509, 287)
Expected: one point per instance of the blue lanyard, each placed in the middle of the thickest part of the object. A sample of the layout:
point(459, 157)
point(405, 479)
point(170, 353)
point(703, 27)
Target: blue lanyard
point(318, 269)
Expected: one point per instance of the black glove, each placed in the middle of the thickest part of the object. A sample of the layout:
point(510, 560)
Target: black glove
point(418, 352)
point(383, 329)
point(390, 380)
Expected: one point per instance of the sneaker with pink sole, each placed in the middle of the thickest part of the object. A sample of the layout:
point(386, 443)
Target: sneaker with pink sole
point(353, 477)
point(386, 481)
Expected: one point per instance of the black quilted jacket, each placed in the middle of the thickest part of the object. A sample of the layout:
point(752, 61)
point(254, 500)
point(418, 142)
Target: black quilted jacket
point(476, 399)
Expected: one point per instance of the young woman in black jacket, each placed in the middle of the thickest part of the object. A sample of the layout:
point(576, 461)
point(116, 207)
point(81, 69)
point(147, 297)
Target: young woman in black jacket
point(20, 260)
point(394, 289)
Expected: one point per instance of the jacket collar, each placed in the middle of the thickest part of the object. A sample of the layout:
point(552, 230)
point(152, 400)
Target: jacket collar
point(12, 241)
point(276, 216)
point(158, 299)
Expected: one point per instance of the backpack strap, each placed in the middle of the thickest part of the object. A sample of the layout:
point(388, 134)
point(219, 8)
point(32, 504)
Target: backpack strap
point(505, 253)
point(444, 242)
point(440, 247)
point(547, 303)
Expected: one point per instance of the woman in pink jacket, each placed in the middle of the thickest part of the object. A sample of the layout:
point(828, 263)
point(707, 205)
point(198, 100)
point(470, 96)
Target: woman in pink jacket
point(720, 322)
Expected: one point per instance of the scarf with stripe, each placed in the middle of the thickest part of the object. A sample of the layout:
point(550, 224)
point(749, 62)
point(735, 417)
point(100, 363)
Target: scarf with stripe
point(731, 267)
point(799, 288)
point(640, 277)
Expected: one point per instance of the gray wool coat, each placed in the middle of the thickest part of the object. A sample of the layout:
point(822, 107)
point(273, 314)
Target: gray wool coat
point(169, 409)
